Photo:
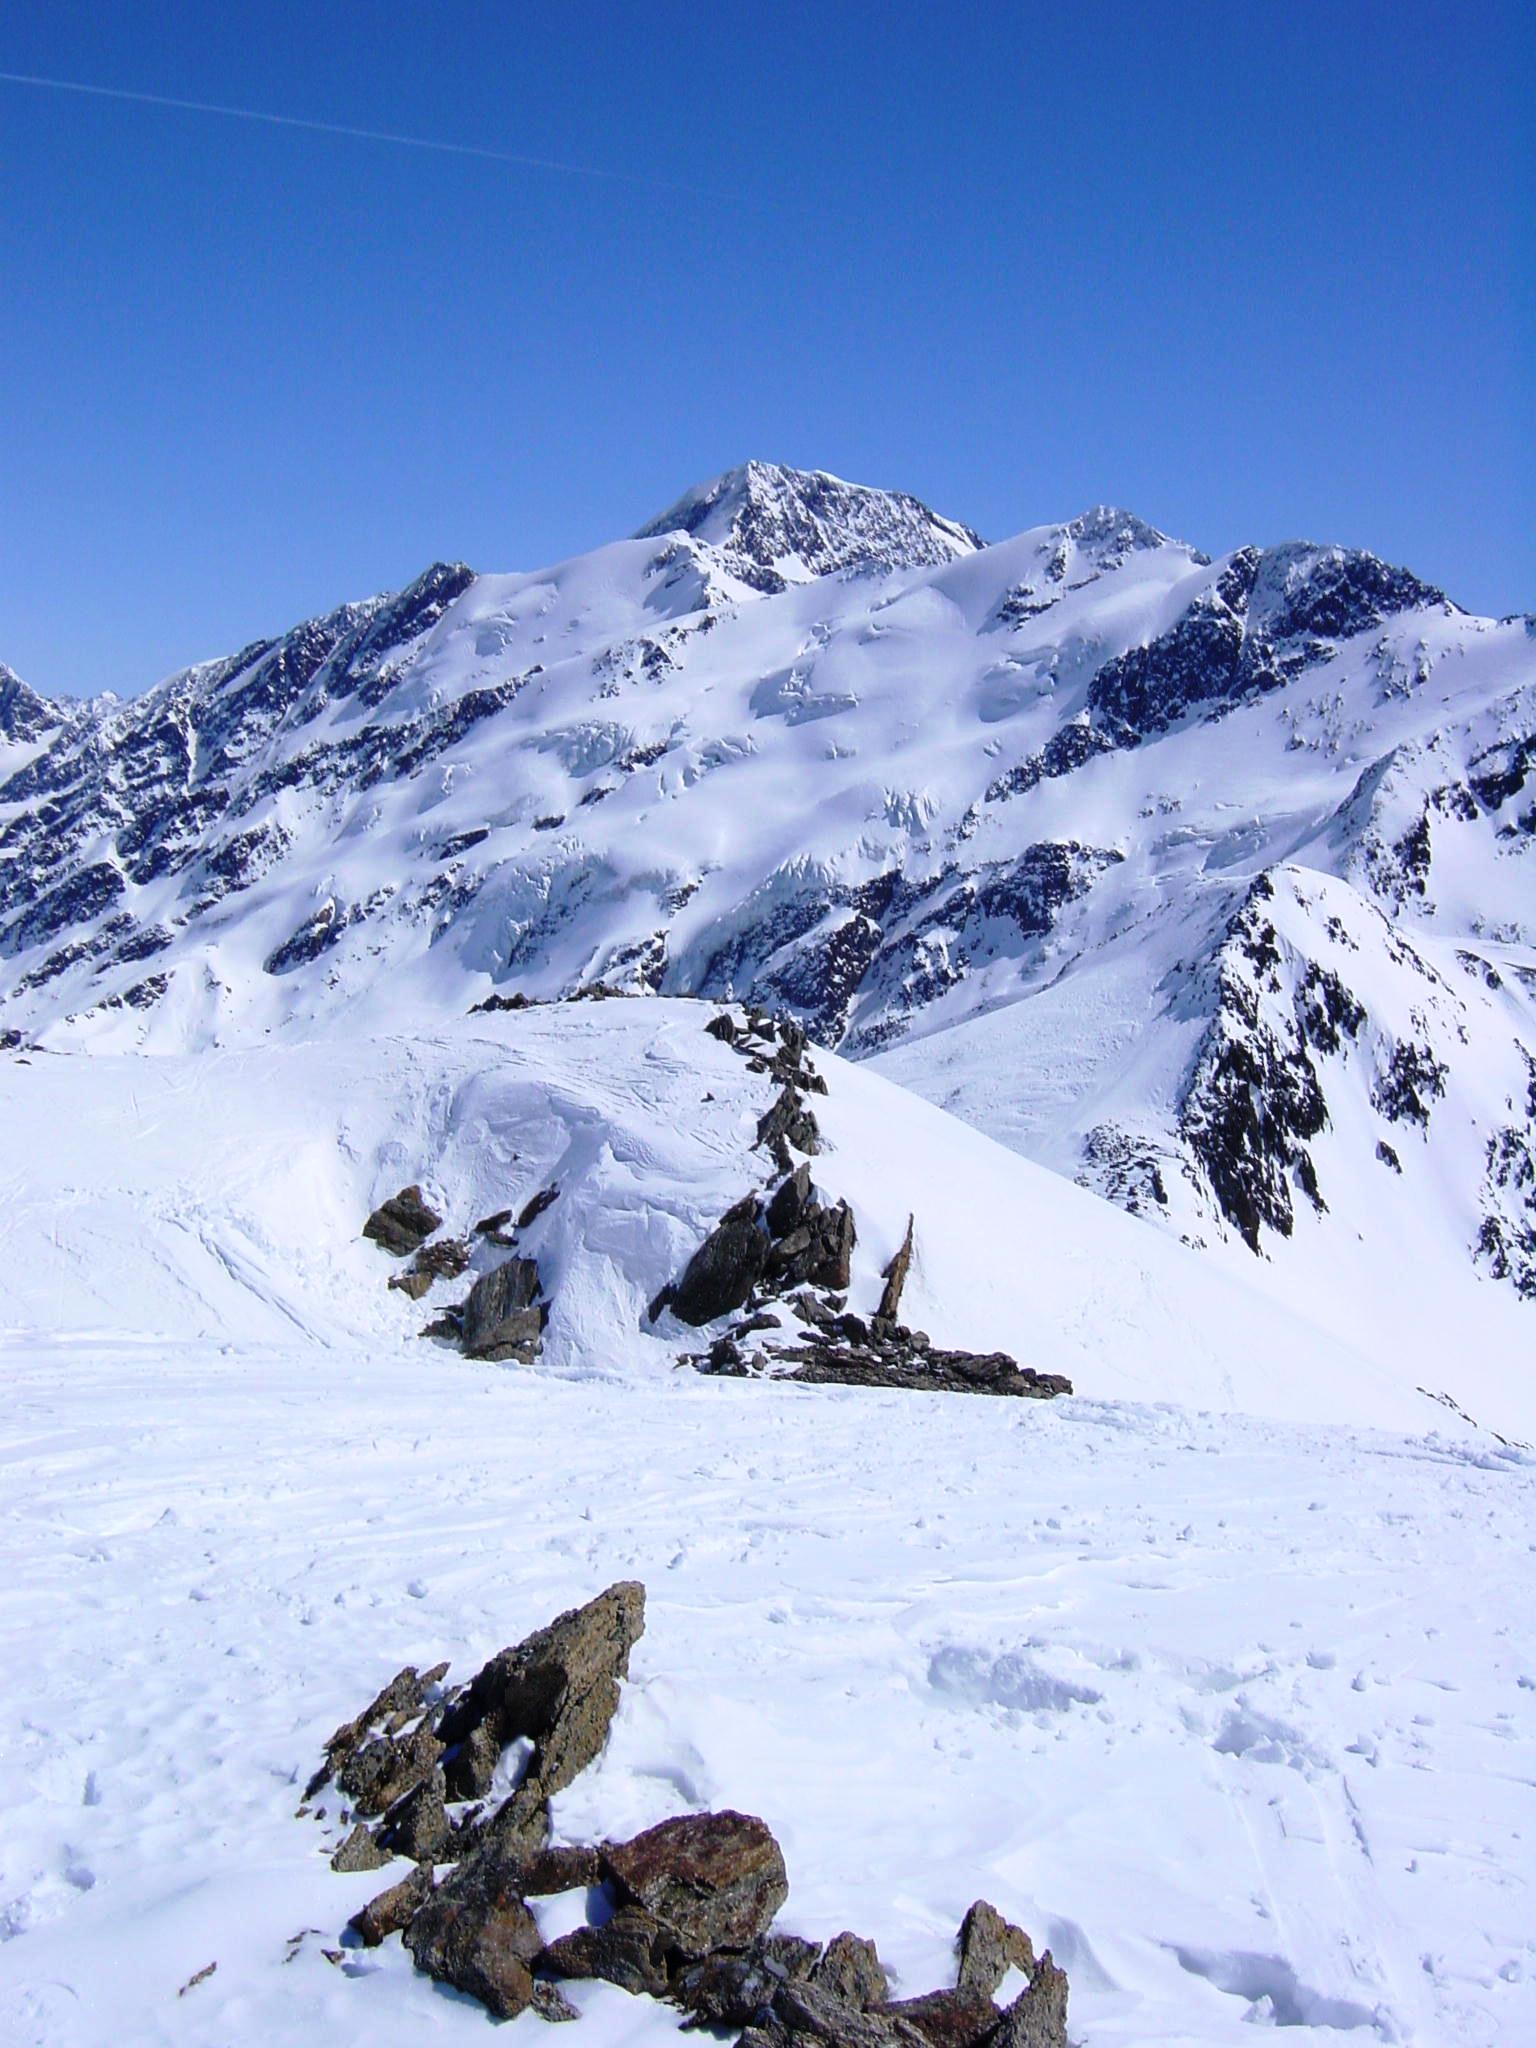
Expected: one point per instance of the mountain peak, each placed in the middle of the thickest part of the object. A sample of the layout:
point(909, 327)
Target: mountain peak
point(24, 715)
point(775, 526)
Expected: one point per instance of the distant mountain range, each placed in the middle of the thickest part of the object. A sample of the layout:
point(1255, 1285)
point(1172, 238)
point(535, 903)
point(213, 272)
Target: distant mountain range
point(1211, 884)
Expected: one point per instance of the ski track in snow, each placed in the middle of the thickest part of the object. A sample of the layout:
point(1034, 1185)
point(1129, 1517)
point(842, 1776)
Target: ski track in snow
point(1240, 1718)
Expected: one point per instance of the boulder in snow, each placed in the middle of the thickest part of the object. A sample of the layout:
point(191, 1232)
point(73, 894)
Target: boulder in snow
point(402, 1223)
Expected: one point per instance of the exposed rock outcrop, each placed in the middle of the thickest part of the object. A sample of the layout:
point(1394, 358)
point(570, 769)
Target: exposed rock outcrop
point(502, 1318)
point(712, 1880)
point(402, 1223)
point(558, 1690)
point(688, 1905)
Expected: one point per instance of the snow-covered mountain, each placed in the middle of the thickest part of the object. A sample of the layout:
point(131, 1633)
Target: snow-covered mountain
point(1205, 885)
point(1211, 884)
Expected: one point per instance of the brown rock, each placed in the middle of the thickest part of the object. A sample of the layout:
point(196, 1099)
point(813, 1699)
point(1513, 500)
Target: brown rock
point(383, 1770)
point(402, 1223)
point(475, 1933)
point(810, 2011)
point(714, 1880)
point(852, 1970)
point(629, 1950)
point(895, 1277)
point(418, 1826)
point(947, 2019)
point(789, 1122)
point(360, 1852)
point(393, 1909)
point(534, 1208)
point(725, 1268)
point(561, 1870)
point(559, 1690)
point(1037, 2018)
point(989, 1947)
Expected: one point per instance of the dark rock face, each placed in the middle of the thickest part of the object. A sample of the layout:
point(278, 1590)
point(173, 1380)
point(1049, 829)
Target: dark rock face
point(790, 1123)
point(1254, 1100)
point(736, 1987)
point(501, 1319)
point(1268, 615)
point(726, 1266)
point(712, 1880)
point(476, 1933)
point(816, 1249)
point(403, 1223)
point(809, 2012)
point(887, 1363)
point(559, 1689)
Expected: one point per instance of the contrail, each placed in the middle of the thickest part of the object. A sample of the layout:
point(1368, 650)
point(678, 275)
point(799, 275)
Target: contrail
point(493, 156)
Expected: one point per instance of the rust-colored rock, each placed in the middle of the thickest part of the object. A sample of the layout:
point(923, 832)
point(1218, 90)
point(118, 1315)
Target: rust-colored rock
point(402, 1223)
point(713, 1880)
point(946, 2019)
point(895, 1277)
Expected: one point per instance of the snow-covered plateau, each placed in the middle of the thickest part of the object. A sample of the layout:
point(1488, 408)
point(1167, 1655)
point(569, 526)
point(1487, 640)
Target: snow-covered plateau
point(808, 945)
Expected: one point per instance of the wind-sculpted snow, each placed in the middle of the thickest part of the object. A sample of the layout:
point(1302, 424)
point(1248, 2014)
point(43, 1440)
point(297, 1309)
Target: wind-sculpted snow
point(988, 813)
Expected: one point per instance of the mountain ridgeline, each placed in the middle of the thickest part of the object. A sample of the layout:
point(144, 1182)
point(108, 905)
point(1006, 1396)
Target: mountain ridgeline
point(1210, 883)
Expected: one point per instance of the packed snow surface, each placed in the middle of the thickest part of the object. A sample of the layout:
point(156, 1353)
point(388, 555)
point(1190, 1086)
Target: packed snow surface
point(1233, 1710)
point(1236, 1716)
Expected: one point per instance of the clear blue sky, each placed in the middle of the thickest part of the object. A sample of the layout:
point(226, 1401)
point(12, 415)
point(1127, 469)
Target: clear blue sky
point(1255, 272)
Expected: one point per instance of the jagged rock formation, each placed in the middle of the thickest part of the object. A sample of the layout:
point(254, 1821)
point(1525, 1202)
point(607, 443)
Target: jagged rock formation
point(687, 1907)
point(403, 1223)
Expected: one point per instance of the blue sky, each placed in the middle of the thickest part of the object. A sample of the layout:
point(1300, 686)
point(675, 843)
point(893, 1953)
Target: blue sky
point(1255, 273)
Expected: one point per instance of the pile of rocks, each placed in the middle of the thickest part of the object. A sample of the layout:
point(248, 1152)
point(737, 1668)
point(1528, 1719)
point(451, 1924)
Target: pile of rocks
point(786, 1254)
point(760, 1249)
point(683, 1912)
point(843, 1349)
point(505, 1312)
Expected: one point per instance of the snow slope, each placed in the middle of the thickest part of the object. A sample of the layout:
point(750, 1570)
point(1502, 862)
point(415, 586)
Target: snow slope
point(1236, 1716)
point(219, 1197)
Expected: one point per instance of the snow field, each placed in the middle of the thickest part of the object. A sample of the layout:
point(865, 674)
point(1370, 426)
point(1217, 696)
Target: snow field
point(1237, 1717)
